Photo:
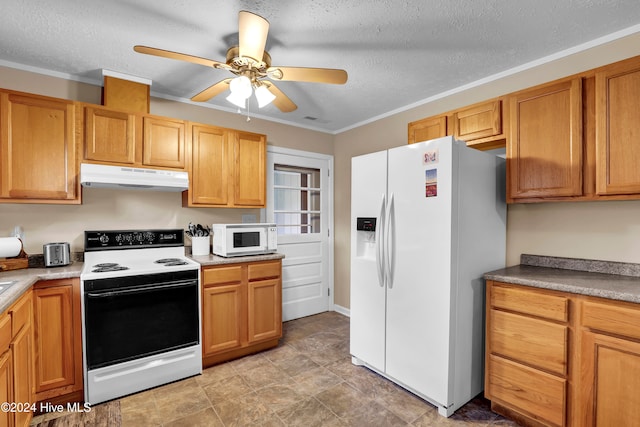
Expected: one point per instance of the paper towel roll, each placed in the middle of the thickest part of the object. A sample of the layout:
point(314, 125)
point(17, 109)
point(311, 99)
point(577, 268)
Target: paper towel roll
point(10, 247)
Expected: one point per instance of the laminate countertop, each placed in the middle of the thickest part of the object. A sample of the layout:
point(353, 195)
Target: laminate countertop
point(604, 279)
point(25, 278)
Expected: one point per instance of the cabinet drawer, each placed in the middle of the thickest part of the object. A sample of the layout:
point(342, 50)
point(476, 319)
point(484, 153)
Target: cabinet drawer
point(5, 332)
point(20, 314)
point(264, 270)
point(529, 301)
point(615, 319)
point(217, 275)
point(541, 395)
point(531, 341)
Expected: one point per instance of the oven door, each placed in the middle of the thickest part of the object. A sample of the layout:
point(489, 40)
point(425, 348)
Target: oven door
point(128, 318)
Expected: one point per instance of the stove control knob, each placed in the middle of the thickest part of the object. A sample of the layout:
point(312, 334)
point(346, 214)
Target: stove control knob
point(119, 238)
point(104, 238)
point(139, 237)
point(149, 236)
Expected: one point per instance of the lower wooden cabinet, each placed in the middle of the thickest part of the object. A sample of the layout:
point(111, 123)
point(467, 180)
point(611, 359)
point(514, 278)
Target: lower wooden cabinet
point(58, 341)
point(561, 359)
point(16, 363)
point(527, 353)
point(241, 309)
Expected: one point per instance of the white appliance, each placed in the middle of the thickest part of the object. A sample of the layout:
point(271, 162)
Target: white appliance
point(124, 177)
point(427, 220)
point(140, 312)
point(244, 239)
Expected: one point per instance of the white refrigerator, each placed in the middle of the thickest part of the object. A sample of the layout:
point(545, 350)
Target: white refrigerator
point(427, 221)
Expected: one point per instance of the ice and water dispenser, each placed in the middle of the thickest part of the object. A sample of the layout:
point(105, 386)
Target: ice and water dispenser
point(366, 237)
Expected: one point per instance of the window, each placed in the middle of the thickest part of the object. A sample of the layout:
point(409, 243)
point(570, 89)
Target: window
point(296, 199)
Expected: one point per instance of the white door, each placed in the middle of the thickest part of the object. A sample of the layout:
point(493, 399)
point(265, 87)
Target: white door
point(299, 201)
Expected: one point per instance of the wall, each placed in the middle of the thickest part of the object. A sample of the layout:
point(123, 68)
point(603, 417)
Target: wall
point(596, 230)
point(130, 209)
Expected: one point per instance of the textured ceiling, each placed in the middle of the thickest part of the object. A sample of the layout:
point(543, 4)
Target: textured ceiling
point(396, 52)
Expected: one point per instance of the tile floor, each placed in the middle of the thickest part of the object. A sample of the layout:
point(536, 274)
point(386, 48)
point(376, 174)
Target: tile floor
point(308, 380)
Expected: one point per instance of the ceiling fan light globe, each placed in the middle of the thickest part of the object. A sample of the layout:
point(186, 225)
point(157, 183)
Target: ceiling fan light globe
point(237, 100)
point(241, 87)
point(263, 96)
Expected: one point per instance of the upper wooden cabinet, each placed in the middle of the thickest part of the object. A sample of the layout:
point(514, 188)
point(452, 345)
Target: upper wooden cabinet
point(38, 149)
point(426, 129)
point(228, 168)
point(110, 135)
point(617, 99)
point(544, 151)
point(480, 125)
point(120, 137)
point(479, 122)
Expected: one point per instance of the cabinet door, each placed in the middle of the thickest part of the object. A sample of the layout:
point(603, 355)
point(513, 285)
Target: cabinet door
point(21, 352)
point(265, 310)
point(544, 152)
point(249, 169)
point(611, 380)
point(478, 121)
point(163, 143)
point(38, 155)
point(56, 337)
point(22, 355)
point(110, 136)
point(618, 128)
point(6, 388)
point(209, 184)
point(426, 129)
point(223, 312)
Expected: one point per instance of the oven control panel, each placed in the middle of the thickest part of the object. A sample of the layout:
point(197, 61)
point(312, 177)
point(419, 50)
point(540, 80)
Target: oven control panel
point(124, 239)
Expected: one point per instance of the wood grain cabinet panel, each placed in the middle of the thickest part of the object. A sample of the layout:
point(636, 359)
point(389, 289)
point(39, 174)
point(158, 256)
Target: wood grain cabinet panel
point(544, 151)
point(241, 310)
point(618, 128)
point(540, 395)
point(426, 129)
point(38, 149)
point(530, 301)
point(249, 170)
point(57, 339)
point(209, 183)
point(6, 387)
point(478, 121)
point(110, 136)
point(222, 322)
point(228, 168)
point(164, 142)
point(531, 341)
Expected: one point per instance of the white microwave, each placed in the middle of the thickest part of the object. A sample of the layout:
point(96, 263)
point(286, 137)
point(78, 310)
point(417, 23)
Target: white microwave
point(244, 239)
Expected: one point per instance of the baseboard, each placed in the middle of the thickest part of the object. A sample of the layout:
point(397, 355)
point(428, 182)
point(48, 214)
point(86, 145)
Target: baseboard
point(342, 310)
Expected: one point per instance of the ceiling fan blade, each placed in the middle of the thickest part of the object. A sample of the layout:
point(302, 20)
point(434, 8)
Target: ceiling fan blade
point(252, 34)
point(212, 91)
point(315, 75)
point(282, 101)
point(179, 56)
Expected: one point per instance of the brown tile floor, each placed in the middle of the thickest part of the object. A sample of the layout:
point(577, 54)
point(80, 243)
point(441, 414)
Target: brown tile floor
point(308, 380)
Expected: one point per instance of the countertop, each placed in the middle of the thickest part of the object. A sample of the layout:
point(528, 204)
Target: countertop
point(604, 279)
point(28, 276)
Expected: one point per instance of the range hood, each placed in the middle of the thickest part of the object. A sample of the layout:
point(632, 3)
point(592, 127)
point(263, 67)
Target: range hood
point(123, 177)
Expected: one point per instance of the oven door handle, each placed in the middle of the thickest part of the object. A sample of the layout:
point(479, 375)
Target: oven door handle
point(140, 289)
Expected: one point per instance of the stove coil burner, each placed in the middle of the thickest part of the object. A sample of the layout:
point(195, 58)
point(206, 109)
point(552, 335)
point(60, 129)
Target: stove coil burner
point(170, 262)
point(106, 267)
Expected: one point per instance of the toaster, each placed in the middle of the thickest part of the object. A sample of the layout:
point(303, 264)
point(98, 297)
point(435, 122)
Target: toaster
point(56, 254)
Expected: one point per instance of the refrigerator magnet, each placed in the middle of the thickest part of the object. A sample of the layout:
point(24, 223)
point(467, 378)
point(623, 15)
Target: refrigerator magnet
point(430, 157)
point(431, 182)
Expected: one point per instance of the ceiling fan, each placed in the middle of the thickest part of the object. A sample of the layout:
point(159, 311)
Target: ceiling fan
point(251, 64)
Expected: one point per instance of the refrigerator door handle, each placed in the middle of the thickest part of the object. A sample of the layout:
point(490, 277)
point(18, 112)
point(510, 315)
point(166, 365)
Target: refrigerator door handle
point(380, 242)
point(390, 241)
